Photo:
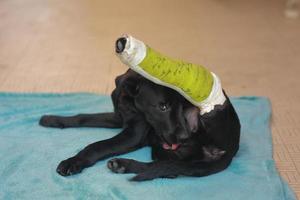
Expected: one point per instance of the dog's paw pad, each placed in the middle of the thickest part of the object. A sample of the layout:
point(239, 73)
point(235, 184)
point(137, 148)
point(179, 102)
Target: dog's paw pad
point(116, 166)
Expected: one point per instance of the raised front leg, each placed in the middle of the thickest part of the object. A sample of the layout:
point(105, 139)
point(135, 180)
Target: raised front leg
point(105, 120)
point(129, 139)
point(167, 168)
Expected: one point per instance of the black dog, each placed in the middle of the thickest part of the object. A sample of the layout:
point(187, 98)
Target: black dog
point(183, 141)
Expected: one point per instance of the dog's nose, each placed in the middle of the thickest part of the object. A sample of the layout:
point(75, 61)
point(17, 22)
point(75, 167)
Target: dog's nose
point(120, 44)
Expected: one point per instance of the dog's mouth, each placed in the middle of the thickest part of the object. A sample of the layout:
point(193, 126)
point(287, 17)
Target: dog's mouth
point(172, 147)
point(169, 145)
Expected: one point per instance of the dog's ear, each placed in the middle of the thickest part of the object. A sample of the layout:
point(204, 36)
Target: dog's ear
point(191, 115)
point(132, 86)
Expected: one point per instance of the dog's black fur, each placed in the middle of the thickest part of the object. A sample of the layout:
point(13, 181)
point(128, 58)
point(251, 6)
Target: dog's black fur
point(183, 141)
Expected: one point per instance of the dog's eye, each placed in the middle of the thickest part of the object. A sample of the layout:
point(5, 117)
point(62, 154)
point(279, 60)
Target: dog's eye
point(164, 107)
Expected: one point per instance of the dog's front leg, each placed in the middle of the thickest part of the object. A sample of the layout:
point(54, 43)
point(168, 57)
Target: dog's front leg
point(145, 171)
point(167, 168)
point(173, 168)
point(129, 139)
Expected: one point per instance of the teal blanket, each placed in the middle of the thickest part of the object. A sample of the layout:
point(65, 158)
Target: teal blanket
point(29, 155)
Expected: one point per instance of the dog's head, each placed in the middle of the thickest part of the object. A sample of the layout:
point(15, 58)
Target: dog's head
point(172, 117)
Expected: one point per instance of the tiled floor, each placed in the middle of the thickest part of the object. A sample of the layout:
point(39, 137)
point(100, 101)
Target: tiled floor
point(68, 45)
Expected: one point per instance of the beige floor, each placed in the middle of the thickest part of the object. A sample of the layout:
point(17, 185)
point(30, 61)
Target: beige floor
point(68, 46)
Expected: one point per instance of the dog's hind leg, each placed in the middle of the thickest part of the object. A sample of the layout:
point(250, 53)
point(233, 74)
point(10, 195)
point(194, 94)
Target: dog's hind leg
point(106, 120)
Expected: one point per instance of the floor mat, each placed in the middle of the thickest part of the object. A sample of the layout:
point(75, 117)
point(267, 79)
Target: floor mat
point(30, 154)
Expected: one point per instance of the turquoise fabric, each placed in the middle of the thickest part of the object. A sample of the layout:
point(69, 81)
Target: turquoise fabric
point(29, 155)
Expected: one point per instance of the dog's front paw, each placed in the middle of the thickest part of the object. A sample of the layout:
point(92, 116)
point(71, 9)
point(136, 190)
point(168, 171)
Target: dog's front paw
point(119, 165)
point(51, 121)
point(73, 165)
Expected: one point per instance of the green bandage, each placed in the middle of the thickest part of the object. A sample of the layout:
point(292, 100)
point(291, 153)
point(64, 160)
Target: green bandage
point(198, 85)
point(195, 81)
